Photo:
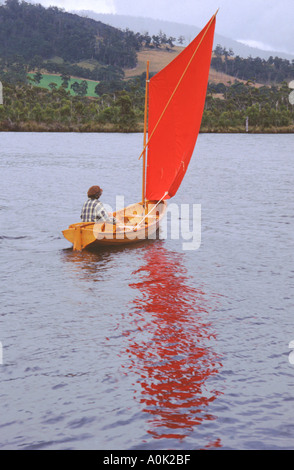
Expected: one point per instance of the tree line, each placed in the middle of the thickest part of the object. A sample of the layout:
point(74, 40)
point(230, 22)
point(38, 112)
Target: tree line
point(28, 108)
point(265, 108)
point(271, 70)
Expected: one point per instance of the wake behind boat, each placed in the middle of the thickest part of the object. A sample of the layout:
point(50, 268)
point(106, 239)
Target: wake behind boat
point(174, 103)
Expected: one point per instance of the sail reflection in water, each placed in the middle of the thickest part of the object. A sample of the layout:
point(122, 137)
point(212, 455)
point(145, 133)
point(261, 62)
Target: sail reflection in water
point(172, 358)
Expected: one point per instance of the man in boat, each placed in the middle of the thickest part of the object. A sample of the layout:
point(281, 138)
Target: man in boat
point(93, 209)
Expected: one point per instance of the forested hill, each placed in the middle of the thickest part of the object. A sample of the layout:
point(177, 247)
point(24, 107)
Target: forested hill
point(28, 30)
point(63, 52)
point(32, 36)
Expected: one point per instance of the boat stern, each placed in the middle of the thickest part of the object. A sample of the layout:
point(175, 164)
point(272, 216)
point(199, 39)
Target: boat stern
point(80, 235)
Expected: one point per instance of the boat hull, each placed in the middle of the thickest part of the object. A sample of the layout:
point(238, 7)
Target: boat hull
point(134, 224)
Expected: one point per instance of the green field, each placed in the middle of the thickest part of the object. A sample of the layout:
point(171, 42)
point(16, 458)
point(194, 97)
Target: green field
point(47, 79)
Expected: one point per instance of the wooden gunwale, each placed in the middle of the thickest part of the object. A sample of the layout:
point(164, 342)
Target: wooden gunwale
point(133, 226)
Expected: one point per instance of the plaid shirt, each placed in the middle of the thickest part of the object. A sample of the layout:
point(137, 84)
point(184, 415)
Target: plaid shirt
point(94, 211)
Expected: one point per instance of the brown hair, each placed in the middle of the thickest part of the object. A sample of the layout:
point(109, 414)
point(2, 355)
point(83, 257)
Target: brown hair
point(94, 192)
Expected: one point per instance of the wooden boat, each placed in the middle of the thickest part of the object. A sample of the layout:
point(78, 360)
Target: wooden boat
point(174, 103)
point(133, 226)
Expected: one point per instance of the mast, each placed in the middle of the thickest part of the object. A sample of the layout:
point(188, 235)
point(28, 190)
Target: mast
point(145, 134)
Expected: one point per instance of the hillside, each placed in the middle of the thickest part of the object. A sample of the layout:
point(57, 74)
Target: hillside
point(159, 58)
point(61, 72)
point(188, 31)
point(55, 42)
point(28, 31)
point(54, 81)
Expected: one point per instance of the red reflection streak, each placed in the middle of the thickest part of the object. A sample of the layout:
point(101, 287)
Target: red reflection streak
point(213, 445)
point(169, 349)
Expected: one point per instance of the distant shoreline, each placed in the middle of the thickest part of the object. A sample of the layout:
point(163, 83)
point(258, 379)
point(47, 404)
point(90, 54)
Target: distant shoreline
point(32, 126)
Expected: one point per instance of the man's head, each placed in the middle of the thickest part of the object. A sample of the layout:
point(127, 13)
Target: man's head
point(94, 192)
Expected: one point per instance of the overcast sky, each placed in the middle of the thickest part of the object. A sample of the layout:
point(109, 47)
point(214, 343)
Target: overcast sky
point(267, 24)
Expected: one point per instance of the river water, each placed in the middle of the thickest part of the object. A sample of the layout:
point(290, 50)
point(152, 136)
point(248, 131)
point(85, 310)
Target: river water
point(160, 345)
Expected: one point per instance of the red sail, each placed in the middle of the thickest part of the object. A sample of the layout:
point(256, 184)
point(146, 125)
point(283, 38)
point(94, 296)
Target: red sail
point(176, 101)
